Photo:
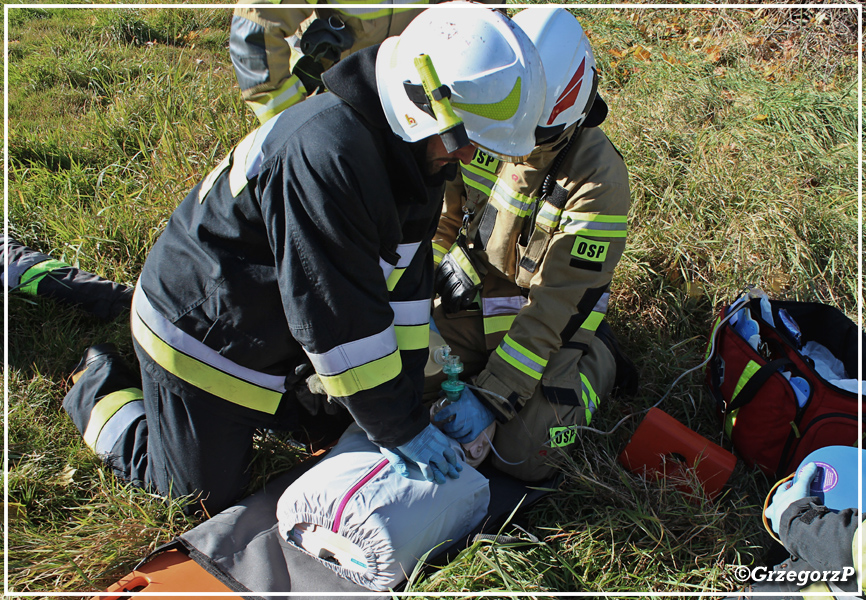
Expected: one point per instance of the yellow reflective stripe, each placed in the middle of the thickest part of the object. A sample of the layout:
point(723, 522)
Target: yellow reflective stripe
point(204, 376)
point(105, 409)
point(549, 216)
point(290, 92)
point(498, 111)
point(498, 323)
point(517, 364)
point(211, 178)
point(438, 253)
point(465, 265)
point(730, 421)
point(521, 358)
point(712, 337)
point(593, 321)
point(412, 337)
point(393, 278)
point(32, 276)
point(238, 173)
point(745, 376)
point(590, 398)
point(511, 200)
point(364, 377)
point(595, 225)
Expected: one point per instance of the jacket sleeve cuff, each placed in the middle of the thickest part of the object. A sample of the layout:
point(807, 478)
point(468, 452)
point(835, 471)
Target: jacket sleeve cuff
point(498, 397)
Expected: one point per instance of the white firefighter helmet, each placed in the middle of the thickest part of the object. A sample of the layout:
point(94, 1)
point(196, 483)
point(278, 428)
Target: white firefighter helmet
point(486, 63)
point(569, 69)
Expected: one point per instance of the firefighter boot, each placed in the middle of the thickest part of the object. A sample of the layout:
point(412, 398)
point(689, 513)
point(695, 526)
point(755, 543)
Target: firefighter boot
point(90, 356)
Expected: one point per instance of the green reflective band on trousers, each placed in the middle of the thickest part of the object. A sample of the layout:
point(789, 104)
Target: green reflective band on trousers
point(31, 277)
point(590, 398)
point(394, 278)
point(365, 377)
point(105, 409)
point(204, 376)
point(412, 337)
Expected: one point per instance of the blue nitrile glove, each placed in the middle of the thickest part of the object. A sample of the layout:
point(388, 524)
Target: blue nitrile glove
point(431, 451)
point(784, 496)
point(465, 419)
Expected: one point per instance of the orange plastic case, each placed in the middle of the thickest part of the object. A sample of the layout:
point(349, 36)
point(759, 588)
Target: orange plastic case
point(172, 571)
point(664, 447)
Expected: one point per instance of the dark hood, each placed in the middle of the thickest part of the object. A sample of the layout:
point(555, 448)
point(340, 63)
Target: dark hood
point(353, 80)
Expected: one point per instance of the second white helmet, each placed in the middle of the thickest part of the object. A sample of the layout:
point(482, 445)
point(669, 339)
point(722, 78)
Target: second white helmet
point(490, 68)
point(569, 68)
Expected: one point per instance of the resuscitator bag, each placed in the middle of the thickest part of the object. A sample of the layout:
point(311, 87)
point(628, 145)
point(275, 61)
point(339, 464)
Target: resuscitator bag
point(360, 518)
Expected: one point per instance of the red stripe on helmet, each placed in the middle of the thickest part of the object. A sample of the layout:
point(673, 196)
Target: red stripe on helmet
point(567, 99)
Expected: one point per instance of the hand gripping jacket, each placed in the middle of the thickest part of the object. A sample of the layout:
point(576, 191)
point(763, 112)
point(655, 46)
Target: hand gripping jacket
point(266, 44)
point(303, 245)
point(548, 264)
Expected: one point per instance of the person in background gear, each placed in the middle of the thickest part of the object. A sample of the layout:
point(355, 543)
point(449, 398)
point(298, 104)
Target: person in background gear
point(820, 536)
point(279, 52)
point(35, 274)
point(309, 244)
point(525, 255)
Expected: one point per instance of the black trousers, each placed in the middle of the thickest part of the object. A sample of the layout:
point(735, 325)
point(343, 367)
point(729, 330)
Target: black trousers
point(188, 442)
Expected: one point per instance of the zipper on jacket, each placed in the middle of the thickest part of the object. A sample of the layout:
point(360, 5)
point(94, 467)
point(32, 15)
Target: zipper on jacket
point(339, 516)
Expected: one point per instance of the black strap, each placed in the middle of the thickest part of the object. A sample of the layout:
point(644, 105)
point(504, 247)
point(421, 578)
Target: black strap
point(756, 382)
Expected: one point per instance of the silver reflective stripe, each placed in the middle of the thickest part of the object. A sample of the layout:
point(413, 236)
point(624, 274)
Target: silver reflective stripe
point(614, 227)
point(387, 268)
point(486, 182)
point(509, 305)
point(354, 354)
point(601, 305)
point(255, 156)
point(117, 425)
point(520, 357)
point(247, 157)
point(511, 200)
point(186, 344)
point(407, 253)
point(414, 312)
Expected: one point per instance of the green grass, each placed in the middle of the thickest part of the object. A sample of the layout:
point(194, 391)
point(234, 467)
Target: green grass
point(739, 130)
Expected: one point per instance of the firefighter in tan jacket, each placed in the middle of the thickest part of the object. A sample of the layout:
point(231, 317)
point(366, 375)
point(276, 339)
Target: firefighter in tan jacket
point(525, 254)
point(279, 52)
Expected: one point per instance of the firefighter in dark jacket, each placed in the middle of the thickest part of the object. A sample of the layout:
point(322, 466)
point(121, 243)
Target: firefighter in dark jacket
point(310, 244)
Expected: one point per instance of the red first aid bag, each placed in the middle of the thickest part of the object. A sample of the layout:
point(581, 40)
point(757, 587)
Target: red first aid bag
point(784, 376)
